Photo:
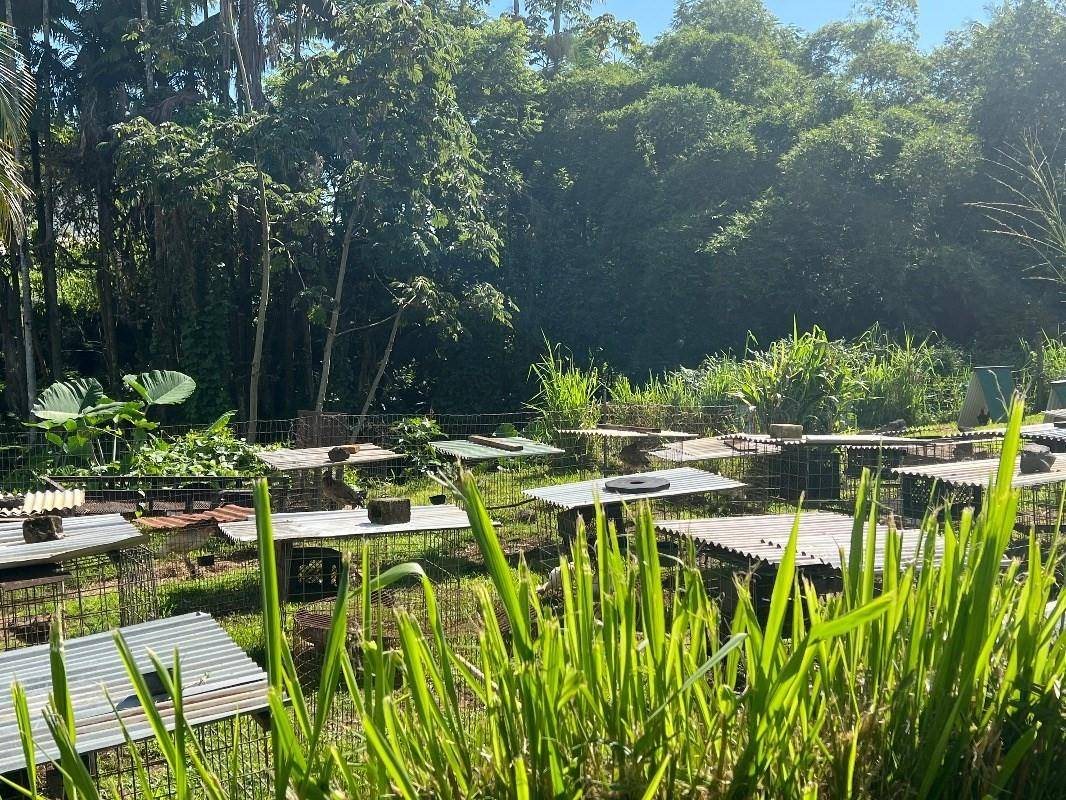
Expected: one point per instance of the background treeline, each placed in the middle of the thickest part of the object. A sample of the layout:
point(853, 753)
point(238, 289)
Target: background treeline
point(439, 190)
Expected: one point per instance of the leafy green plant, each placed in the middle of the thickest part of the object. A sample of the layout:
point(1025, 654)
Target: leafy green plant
point(412, 436)
point(84, 423)
point(211, 450)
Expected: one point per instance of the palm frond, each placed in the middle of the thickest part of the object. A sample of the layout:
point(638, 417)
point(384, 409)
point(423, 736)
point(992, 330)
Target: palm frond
point(16, 103)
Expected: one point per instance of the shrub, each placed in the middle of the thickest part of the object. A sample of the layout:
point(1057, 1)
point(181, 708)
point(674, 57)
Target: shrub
point(413, 436)
point(214, 450)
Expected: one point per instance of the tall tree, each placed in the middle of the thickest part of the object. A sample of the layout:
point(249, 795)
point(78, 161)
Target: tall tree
point(16, 99)
point(382, 115)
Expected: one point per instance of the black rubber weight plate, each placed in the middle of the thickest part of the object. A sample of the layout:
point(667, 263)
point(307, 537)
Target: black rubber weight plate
point(637, 485)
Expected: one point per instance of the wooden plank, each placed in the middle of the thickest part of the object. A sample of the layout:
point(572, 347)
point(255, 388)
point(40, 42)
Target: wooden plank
point(496, 443)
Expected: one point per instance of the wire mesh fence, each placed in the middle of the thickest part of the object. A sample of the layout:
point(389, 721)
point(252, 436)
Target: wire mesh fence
point(94, 593)
point(243, 742)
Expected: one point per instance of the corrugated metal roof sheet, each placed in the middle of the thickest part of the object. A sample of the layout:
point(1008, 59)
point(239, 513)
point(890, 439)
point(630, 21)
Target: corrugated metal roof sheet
point(821, 539)
point(998, 431)
point(708, 447)
point(683, 481)
point(625, 433)
point(51, 501)
point(980, 472)
point(344, 524)
point(219, 682)
point(286, 460)
point(466, 450)
point(1054, 435)
point(869, 441)
point(82, 536)
point(169, 522)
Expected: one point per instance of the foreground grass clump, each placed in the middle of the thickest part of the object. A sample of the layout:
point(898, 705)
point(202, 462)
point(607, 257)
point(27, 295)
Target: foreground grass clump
point(932, 682)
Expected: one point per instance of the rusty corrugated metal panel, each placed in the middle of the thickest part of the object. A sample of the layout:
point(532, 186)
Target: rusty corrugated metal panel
point(219, 682)
point(226, 513)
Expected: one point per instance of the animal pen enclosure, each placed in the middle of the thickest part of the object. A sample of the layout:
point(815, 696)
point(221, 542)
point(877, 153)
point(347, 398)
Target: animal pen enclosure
point(825, 469)
point(501, 464)
point(753, 546)
point(614, 449)
point(223, 691)
point(99, 574)
point(310, 479)
point(729, 456)
point(154, 494)
point(310, 547)
point(683, 490)
point(956, 485)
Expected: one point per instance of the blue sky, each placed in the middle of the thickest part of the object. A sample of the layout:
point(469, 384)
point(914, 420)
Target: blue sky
point(936, 17)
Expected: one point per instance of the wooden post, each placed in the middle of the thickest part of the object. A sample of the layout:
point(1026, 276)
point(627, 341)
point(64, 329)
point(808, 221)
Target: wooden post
point(283, 559)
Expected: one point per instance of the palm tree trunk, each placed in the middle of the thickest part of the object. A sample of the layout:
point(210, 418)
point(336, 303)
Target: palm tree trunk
point(46, 245)
point(30, 369)
point(261, 317)
point(26, 304)
point(248, 41)
point(334, 316)
point(104, 286)
point(225, 51)
point(298, 36)
point(14, 390)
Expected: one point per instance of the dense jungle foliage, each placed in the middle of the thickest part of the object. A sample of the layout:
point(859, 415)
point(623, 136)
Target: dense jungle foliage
point(426, 191)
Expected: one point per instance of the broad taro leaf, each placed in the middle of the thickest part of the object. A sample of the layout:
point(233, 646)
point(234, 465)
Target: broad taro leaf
point(71, 400)
point(161, 387)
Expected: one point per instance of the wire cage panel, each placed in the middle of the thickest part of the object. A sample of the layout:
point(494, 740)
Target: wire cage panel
point(811, 472)
point(94, 593)
point(557, 528)
point(1038, 506)
point(242, 742)
point(157, 494)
